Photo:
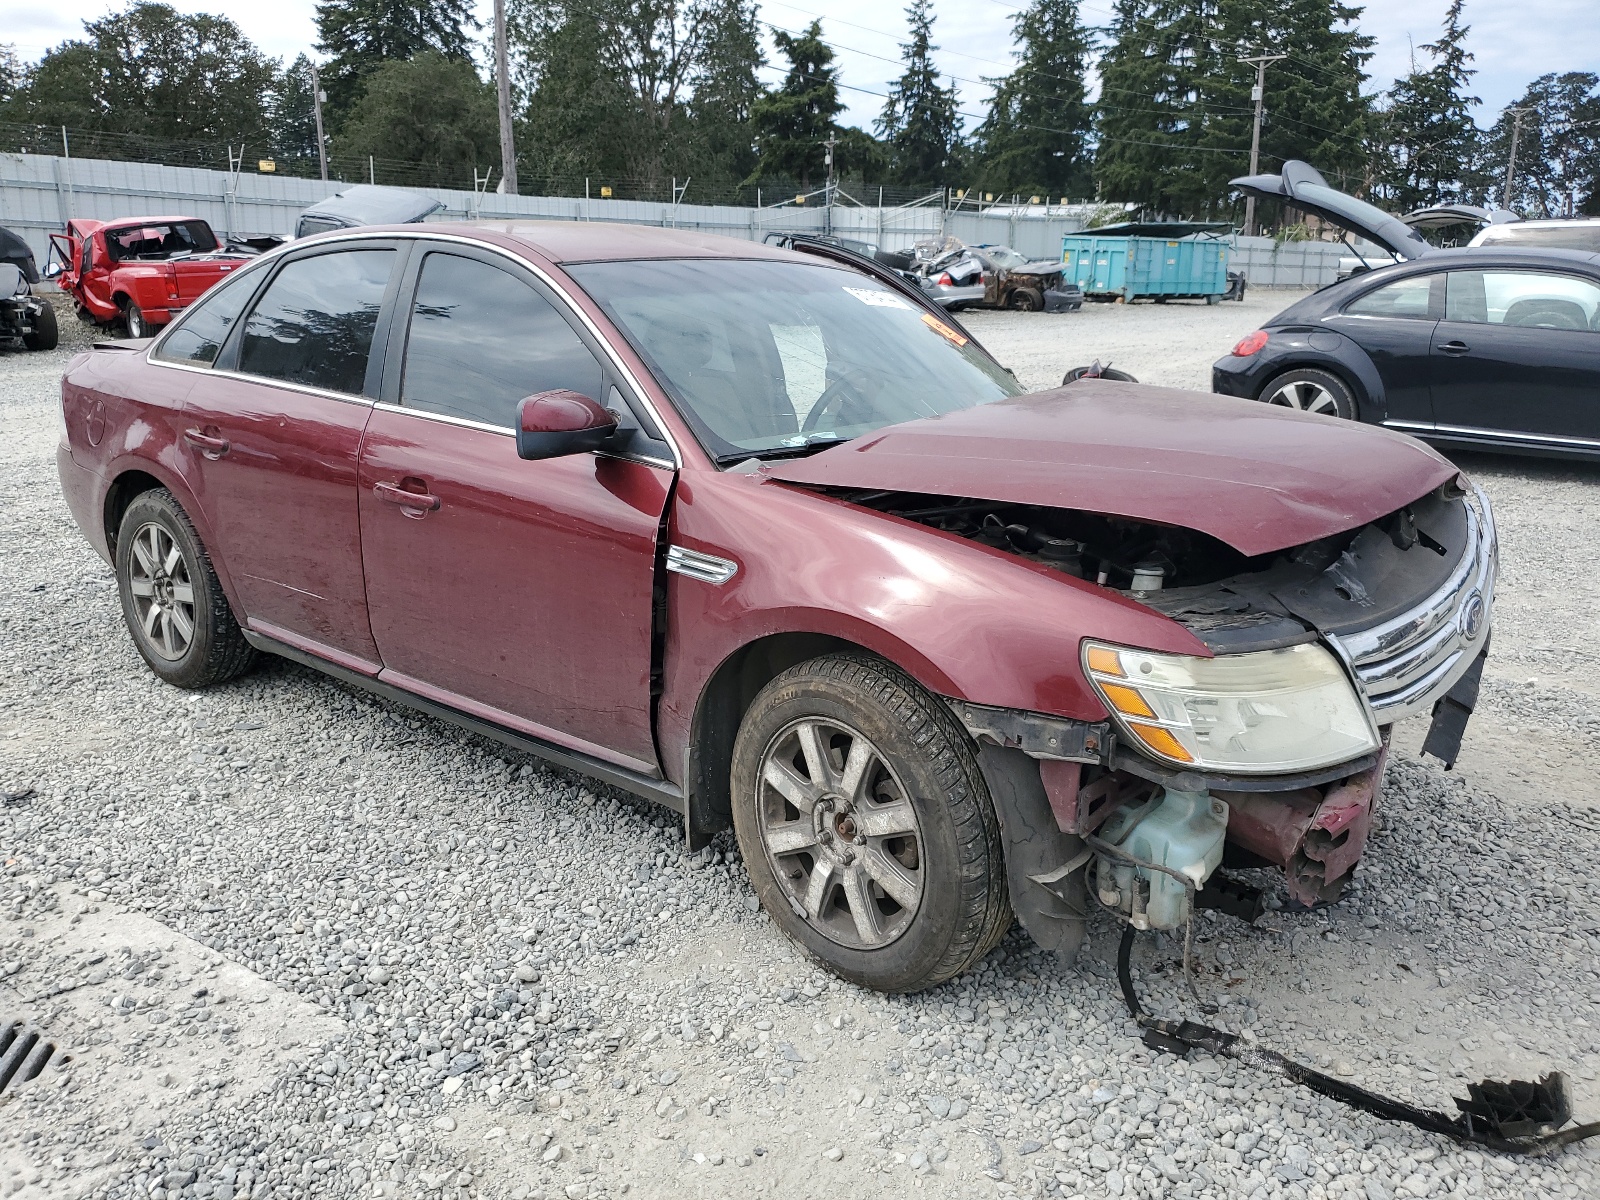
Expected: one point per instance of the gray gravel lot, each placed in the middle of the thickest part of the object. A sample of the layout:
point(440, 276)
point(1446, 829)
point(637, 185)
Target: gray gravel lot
point(299, 942)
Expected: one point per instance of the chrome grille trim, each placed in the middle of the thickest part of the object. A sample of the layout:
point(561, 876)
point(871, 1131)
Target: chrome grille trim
point(1407, 663)
point(707, 568)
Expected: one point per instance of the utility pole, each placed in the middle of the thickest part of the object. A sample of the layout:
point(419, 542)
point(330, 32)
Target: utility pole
point(1511, 163)
point(1260, 62)
point(502, 71)
point(317, 97)
point(833, 140)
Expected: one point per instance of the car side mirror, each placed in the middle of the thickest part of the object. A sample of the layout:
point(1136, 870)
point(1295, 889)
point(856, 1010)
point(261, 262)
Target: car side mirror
point(51, 270)
point(555, 424)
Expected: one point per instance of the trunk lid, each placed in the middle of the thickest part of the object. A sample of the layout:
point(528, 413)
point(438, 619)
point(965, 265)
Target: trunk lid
point(1302, 187)
point(1258, 478)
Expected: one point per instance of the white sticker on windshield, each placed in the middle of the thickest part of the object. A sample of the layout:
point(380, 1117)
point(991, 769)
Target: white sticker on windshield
point(877, 299)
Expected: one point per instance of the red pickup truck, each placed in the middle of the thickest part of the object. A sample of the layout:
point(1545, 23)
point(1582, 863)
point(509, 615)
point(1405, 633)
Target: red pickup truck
point(138, 272)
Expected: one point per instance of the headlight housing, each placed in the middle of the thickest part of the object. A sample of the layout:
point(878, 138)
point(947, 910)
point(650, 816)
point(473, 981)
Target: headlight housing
point(1262, 713)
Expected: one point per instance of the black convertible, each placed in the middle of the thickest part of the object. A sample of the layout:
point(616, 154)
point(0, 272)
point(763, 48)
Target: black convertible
point(1483, 346)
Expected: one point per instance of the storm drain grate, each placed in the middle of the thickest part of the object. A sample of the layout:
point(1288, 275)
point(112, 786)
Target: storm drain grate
point(24, 1054)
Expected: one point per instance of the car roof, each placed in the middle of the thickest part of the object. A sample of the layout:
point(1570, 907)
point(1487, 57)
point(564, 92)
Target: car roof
point(136, 222)
point(569, 242)
point(1492, 255)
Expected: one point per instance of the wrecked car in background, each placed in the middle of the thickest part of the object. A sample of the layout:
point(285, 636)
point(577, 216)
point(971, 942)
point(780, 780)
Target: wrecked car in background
point(136, 272)
point(959, 276)
point(26, 320)
point(366, 204)
point(801, 559)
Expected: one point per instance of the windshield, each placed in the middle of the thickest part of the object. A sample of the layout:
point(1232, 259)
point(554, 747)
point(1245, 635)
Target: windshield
point(769, 358)
point(163, 240)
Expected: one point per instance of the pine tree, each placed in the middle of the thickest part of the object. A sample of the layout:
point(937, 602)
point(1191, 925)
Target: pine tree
point(1035, 137)
point(1558, 147)
point(919, 120)
point(361, 35)
point(1428, 138)
point(1313, 108)
point(294, 122)
point(793, 122)
point(1154, 107)
point(726, 88)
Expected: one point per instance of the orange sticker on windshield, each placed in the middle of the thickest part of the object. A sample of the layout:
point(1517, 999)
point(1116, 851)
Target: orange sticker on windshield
point(950, 335)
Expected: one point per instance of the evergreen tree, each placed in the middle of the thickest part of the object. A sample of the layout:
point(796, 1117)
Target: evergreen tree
point(726, 89)
point(1428, 140)
point(580, 119)
point(1035, 138)
point(919, 120)
point(361, 35)
point(1154, 107)
point(12, 74)
point(793, 122)
point(293, 117)
point(1313, 108)
point(1558, 147)
point(426, 109)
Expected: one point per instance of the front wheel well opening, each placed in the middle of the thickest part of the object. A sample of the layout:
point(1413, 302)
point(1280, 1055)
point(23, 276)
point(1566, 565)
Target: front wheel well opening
point(125, 489)
point(727, 696)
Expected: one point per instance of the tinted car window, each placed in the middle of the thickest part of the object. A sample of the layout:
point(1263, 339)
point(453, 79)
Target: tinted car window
point(1534, 233)
point(200, 335)
point(1527, 299)
point(315, 323)
point(482, 339)
point(1402, 298)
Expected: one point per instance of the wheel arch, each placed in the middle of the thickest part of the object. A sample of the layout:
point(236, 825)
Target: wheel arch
point(124, 490)
point(133, 477)
point(719, 711)
point(1365, 386)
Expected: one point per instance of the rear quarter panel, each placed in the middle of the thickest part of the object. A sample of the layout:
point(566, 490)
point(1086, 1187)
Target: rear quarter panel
point(965, 621)
point(124, 414)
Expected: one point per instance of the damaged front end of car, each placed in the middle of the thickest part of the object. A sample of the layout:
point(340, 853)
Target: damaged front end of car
point(1270, 753)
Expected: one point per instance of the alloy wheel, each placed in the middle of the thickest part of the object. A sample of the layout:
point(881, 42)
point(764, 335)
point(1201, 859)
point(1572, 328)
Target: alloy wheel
point(1307, 396)
point(840, 832)
point(163, 591)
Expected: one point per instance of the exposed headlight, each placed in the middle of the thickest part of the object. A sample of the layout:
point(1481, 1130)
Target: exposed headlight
point(1262, 713)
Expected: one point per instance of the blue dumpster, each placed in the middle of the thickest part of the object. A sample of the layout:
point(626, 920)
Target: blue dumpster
point(1129, 267)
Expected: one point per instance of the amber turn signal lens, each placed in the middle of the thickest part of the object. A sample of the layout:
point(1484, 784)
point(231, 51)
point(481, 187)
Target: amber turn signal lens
point(1161, 741)
point(1251, 344)
point(1105, 661)
point(1127, 701)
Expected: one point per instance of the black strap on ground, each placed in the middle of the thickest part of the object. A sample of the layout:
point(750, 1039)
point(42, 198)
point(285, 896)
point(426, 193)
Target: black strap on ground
point(1519, 1117)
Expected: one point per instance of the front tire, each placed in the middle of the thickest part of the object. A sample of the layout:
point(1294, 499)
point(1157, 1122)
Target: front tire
point(1025, 299)
point(1310, 390)
point(866, 825)
point(174, 607)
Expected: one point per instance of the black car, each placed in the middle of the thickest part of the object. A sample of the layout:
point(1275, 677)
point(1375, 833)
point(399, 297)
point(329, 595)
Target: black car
point(1471, 347)
point(25, 319)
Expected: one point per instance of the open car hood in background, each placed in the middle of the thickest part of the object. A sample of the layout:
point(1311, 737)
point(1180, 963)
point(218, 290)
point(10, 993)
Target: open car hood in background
point(1257, 477)
point(1302, 187)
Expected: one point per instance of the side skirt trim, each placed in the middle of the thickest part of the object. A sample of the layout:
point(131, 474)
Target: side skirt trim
point(658, 790)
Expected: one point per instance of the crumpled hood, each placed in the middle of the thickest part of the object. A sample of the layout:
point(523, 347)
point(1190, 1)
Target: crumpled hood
point(1257, 477)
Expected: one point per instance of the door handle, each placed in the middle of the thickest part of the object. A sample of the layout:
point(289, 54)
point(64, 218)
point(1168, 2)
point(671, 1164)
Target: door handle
point(414, 504)
point(210, 445)
point(1454, 347)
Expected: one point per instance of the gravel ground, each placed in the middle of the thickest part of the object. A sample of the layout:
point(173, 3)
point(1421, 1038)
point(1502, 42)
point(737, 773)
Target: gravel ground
point(299, 942)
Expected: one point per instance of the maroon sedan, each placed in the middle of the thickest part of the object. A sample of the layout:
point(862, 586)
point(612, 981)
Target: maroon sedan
point(765, 536)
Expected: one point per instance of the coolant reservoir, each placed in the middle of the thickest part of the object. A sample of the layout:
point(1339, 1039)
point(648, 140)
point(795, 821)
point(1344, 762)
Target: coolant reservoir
point(1183, 831)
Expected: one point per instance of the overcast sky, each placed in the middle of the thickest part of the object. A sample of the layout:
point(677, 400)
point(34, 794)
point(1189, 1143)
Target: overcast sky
point(1513, 40)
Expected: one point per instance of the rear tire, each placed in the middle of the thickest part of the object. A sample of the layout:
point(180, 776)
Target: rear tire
point(174, 607)
point(45, 335)
point(1310, 390)
point(852, 782)
point(133, 318)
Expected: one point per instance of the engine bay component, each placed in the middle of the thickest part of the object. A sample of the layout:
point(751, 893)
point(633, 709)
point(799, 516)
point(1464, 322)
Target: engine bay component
point(1516, 1117)
point(1179, 831)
